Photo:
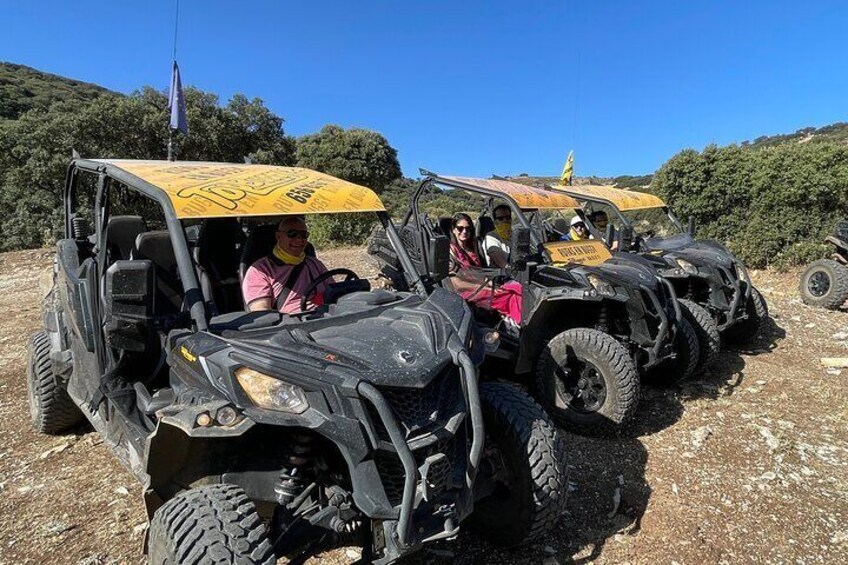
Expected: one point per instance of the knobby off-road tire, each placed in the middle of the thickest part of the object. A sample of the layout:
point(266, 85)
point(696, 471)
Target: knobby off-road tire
point(746, 330)
point(605, 363)
point(521, 438)
point(51, 409)
point(706, 329)
point(824, 284)
point(214, 525)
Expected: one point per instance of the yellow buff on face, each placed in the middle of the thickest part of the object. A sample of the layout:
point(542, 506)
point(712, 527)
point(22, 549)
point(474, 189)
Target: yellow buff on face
point(288, 258)
point(575, 236)
point(504, 230)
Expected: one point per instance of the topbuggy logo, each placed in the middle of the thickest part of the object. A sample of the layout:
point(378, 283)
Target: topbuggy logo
point(210, 190)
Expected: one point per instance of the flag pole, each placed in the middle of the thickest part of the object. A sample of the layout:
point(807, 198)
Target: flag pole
point(171, 155)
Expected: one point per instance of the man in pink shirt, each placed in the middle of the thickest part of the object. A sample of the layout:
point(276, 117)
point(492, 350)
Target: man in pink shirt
point(279, 280)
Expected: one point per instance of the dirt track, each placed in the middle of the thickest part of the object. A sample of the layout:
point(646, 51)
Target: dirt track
point(748, 464)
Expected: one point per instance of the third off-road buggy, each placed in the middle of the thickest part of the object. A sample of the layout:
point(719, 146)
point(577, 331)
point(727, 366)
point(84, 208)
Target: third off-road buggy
point(590, 323)
point(256, 433)
point(702, 271)
point(825, 282)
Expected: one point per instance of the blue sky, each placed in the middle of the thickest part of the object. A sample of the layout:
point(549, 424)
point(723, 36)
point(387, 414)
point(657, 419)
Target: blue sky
point(476, 87)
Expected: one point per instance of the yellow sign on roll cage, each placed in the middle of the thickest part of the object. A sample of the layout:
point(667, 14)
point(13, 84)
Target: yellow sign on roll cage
point(622, 199)
point(591, 252)
point(210, 190)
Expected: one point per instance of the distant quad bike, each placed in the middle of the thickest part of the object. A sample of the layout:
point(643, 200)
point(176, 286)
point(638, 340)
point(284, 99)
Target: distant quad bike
point(591, 324)
point(707, 277)
point(825, 282)
point(256, 434)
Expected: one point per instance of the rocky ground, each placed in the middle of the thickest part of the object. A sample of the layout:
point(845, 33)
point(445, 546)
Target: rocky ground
point(746, 464)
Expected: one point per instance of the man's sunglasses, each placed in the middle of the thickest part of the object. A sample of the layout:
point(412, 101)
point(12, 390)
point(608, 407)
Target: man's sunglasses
point(303, 234)
point(580, 225)
point(503, 218)
point(462, 228)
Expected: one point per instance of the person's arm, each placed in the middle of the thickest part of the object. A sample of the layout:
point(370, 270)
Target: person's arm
point(497, 256)
point(257, 290)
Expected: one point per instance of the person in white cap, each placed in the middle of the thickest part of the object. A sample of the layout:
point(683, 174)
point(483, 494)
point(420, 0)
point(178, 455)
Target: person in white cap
point(578, 230)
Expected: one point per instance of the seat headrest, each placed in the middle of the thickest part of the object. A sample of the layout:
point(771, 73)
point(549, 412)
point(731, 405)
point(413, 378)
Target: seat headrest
point(156, 246)
point(121, 233)
point(561, 225)
point(445, 225)
point(485, 224)
point(219, 243)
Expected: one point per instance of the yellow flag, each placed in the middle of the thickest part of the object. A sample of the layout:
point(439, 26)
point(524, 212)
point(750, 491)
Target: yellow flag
point(568, 169)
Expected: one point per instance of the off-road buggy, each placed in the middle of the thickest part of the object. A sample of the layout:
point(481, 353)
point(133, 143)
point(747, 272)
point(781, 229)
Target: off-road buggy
point(825, 282)
point(704, 272)
point(590, 323)
point(257, 433)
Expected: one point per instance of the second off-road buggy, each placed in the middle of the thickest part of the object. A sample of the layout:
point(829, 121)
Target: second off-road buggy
point(590, 324)
point(258, 433)
point(703, 272)
point(824, 283)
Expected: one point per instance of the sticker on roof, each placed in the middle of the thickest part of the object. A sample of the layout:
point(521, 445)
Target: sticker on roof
point(587, 252)
point(622, 199)
point(206, 190)
point(527, 197)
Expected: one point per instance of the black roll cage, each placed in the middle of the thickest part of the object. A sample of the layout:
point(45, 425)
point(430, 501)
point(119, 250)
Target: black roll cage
point(432, 179)
point(193, 296)
point(625, 221)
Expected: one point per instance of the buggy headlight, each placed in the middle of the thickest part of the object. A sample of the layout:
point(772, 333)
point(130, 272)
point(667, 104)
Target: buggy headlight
point(271, 393)
point(600, 285)
point(687, 266)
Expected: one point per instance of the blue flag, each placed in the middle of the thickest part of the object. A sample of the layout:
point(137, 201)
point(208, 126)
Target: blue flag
point(176, 102)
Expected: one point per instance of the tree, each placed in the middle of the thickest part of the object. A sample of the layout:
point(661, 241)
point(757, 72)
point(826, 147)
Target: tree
point(358, 155)
point(36, 148)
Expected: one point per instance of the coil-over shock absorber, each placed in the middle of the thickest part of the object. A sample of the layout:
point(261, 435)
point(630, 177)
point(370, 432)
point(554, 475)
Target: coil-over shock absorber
point(292, 480)
point(602, 325)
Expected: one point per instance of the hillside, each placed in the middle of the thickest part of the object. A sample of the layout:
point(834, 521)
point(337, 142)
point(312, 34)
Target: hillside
point(24, 88)
point(837, 133)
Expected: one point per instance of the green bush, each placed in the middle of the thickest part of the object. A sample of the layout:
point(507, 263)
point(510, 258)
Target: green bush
point(762, 202)
point(801, 254)
point(340, 229)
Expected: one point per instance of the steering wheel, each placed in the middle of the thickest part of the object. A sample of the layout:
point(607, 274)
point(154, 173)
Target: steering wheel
point(313, 286)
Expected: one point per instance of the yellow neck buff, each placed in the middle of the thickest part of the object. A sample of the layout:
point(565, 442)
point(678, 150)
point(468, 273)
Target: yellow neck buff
point(288, 258)
point(575, 236)
point(504, 231)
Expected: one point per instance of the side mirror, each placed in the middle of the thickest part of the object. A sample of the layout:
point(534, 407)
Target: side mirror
point(625, 235)
point(128, 304)
point(691, 227)
point(438, 257)
point(519, 248)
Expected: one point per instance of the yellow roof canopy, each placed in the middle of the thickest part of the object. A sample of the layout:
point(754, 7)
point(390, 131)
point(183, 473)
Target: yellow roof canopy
point(622, 199)
point(527, 197)
point(210, 190)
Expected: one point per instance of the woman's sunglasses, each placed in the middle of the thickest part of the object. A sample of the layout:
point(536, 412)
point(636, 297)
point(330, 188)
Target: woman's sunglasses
point(303, 234)
point(462, 228)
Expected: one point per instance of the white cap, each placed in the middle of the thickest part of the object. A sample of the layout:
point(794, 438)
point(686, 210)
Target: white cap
point(577, 220)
